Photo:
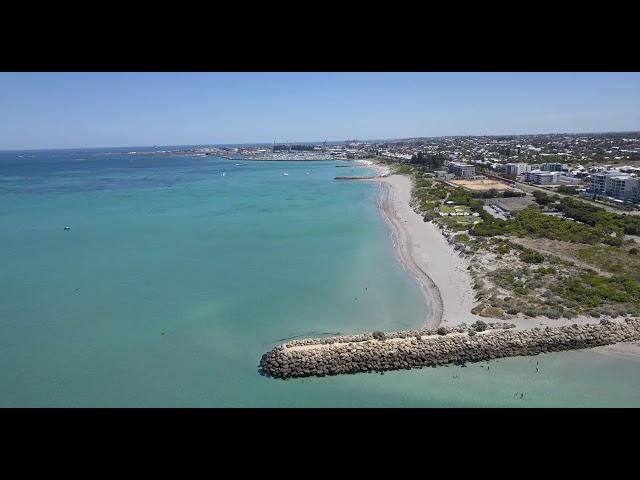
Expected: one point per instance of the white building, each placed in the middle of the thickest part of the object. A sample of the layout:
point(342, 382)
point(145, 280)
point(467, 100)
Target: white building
point(542, 178)
point(551, 167)
point(462, 169)
point(622, 186)
point(516, 168)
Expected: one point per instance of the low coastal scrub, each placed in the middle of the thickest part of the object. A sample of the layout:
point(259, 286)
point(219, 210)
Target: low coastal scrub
point(599, 276)
point(479, 326)
point(611, 259)
point(377, 335)
point(531, 256)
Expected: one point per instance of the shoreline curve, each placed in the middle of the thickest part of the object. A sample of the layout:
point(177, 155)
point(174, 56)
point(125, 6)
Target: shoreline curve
point(403, 243)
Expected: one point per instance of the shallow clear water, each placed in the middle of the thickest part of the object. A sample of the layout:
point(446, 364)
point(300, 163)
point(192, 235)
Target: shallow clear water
point(174, 279)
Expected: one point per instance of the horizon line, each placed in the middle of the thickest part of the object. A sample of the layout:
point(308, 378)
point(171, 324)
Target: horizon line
point(328, 141)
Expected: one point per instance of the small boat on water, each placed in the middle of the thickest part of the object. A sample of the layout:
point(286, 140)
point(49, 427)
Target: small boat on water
point(224, 173)
point(285, 173)
point(67, 227)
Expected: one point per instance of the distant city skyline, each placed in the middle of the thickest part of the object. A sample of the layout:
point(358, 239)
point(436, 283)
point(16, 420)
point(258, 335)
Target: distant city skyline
point(116, 110)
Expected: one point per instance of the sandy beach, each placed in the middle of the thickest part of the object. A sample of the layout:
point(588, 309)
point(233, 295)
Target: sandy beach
point(442, 273)
point(381, 170)
point(425, 253)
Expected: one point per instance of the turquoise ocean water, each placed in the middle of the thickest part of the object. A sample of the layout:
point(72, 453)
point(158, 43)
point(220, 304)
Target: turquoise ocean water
point(178, 273)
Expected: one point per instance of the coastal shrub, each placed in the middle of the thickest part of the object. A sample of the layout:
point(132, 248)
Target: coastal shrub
point(633, 251)
point(552, 314)
point(441, 331)
point(541, 197)
point(615, 241)
point(472, 332)
point(512, 310)
point(633, 311)
point(503, 249)
point(519, 289)
point(378, 335)
point(531, 256)
point(531, 312)
point(492, 312)
point(480, 326)
point(513, 193)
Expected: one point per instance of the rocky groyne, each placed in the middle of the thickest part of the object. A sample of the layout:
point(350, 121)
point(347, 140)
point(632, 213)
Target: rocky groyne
point(378, 351)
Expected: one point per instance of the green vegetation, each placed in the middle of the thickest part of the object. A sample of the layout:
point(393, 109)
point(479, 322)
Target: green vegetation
point(598, 217)
point(479, 326)
point(378, 335)
point(568, 190)
point(527, 281)
point(530, 256)
point(532, 222)
point(513, 193)
point(593, 291)
point(456, 209)
point(611, 259)
point(441, 331)
point(428, 162)
point(493, 193)
point(403, 169)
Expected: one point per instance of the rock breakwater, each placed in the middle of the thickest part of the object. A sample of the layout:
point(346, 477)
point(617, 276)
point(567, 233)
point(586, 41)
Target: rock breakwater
point(378, 351)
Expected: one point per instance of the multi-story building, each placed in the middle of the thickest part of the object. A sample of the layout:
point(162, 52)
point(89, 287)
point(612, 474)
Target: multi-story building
point(516, 168)
point(621, 186)
point(635, 192)
point(542, 178)
point(598, 182)
point(462, 169)
point(551, 167)
point(615, 184)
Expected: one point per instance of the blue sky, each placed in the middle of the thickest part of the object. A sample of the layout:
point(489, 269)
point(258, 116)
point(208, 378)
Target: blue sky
point(66, 110)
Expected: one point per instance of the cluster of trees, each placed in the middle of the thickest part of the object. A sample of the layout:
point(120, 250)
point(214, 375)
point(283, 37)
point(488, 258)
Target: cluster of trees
point(532, 222)
point(493, 193)
point(608, 222)
point(429, 161)
point(460, 196)
point(568, 189)
point(544, 199)
point(595, 216)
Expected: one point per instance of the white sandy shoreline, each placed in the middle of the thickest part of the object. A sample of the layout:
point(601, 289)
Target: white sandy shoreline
point(442, 273)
